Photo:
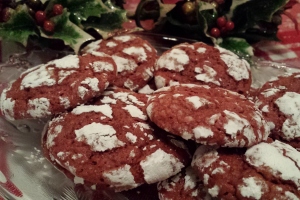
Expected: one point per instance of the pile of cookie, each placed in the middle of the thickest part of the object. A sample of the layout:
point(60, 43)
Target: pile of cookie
point(122, 116)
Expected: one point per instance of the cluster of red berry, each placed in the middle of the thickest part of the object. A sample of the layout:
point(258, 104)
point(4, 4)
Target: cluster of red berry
point(223, 26)
point(42, 20)
point(36, 9)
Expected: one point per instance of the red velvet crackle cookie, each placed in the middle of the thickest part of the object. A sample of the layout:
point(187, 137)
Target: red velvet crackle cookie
point(279, 100)
point(111, 144)
point(264, 171)
point(135, 59)
point(199, 63)
point(184, 185)
point(61, 84)
point(212, 116)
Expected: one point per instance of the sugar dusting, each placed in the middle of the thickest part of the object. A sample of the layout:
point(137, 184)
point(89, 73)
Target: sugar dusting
point(100, 137)
point(167, 163)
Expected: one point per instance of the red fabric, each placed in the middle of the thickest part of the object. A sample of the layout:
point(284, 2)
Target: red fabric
point(288, 49)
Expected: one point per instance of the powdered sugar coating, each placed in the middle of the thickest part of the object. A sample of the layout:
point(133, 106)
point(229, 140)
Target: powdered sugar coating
point(196, 112)
point(124, 64)
point(124, 38)
point(254, 174)
point(39, 77)
point(207, 75)
point(121, 177)
point(53, 132)
point(134, 57)
point(104, 109)
point(173, 60)
point(7, 105)
point(58, 85)
point(237, 68)
point(139, 51)
point(279, 99)
point(99, 136)
point(135, 112)
point(197, 101)
point(252, 188)
point(100, 66)
point(68, 62)
point(289, 104)
point(168, 164)
point(87, 85)
point(37, 108)
point(184, 185)
point(116, 143)
point(286, 167)
point(199, 63)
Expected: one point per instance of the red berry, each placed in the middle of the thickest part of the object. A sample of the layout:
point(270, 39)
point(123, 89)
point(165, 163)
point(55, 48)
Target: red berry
point(229, 25)
point(57, 9)
point(221, 21)
point(40, 17)
point(215, 32)
point(48, 26)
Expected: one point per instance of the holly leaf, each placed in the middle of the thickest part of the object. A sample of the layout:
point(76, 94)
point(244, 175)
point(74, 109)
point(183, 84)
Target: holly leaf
point(249, 13)
point(68, 32)
point(81, 10)
point(108, 24)
point(239, 46)
point(206, 17)
point(19, 27)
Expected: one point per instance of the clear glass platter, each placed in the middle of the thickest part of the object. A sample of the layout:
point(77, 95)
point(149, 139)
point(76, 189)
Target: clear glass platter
point(25, 173)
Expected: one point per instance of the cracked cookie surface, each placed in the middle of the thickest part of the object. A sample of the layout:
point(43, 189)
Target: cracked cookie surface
point(112, 144)
point(264, 171)
point(202, 64)
point(57, 86)
point(134, 56)
point(279, 101)
point(211, 116)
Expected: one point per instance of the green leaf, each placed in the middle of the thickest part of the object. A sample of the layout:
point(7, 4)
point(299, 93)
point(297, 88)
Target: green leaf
point(67, 31)
point(107, 23)
point(81, 10)
point(19, 27)
point(238, 45)
point(176, 24)
point(206, 18)
point(249, 13)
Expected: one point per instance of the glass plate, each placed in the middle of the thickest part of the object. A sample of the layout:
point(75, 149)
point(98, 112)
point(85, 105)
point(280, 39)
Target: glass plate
point(25, 173)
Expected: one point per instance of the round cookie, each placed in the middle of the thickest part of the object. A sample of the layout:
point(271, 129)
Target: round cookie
point(184, 185)
point(212, 116)
point(202, 64)
point(264, 171)
point(111, 144)
point(279, 100)
point(134, 56)
point(59, 85)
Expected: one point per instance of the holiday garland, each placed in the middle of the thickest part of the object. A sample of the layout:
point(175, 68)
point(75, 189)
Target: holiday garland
point(233, 24)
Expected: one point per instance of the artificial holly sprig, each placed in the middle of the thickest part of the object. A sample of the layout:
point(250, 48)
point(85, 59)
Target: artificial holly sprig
point(64, 20)
point(233, 24)
point(230, 23)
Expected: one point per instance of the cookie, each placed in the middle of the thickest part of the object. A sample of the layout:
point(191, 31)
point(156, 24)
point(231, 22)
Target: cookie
point(134, 56)
point(212, 116)
point(61, 84)
point(184, 185)
point(264, 171)
point(279, 100)
point(111, 144)
point(202, 64)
